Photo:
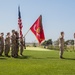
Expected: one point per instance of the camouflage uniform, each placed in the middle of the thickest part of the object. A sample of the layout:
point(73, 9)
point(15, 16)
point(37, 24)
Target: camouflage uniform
point(24, 42)
point(17, 44)
point(2, 44)
point(7, 44)
point(21, 46)
point(13, 42)
point(61, 46)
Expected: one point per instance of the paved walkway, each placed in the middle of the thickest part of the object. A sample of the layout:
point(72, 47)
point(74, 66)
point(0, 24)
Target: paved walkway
point(37, 49)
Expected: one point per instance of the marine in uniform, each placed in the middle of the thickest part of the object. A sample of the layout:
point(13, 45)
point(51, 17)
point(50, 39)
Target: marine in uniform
point(21, 45)
point(13, 43)
point(17, 43)
point(61, 44)
point(7, 44)
point(2, 44)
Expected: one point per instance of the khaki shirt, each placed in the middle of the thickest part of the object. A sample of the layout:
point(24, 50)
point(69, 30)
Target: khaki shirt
point(2, 40)
point(21, 41)
point(7, 41)
point(61, 41)
point(13, 39)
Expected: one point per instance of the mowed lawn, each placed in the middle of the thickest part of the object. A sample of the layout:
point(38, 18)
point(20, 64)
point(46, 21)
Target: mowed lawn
point(39, 63)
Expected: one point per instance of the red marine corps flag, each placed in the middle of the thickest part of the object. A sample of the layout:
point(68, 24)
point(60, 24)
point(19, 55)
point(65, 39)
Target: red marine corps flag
point(19, 22)
point(37, 29)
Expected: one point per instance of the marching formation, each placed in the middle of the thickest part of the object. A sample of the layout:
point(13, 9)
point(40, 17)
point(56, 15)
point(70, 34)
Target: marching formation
point(12, 43)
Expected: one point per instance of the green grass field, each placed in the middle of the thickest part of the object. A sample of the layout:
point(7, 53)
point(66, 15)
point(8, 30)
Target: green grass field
point(39, 63)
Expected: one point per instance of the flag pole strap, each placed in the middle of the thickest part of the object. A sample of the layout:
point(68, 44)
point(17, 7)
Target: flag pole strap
point(26, 32)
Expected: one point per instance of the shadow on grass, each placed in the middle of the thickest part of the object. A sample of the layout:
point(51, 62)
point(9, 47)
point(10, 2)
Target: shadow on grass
point(1, 58)
point(69, 58)
point(30, 57)
point(37, 58)
point(44, 58)
point(60, 58)
point(52, 58)
point(24, 57)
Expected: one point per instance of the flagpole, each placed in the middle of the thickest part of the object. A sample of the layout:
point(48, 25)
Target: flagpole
point(26, 32)
point(24, 42)
point(24, 39)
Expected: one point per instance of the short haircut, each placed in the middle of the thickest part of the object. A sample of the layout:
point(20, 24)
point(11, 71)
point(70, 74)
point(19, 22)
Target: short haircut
point(62, 33)
point(8, 33)
point(2, 33)
point(13, 30)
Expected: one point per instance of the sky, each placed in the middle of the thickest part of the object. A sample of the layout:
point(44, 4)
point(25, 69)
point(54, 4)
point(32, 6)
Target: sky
point(57, 16)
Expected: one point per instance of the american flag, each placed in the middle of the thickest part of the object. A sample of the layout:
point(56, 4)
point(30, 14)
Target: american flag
point(19, 22)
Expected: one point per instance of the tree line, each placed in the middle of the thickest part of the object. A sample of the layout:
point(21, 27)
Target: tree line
point(55, 44)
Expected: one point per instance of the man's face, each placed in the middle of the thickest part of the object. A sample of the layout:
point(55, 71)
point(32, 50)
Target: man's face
point(9, 35)
point(2, 34)
point(63, 35)
point(13, 32)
